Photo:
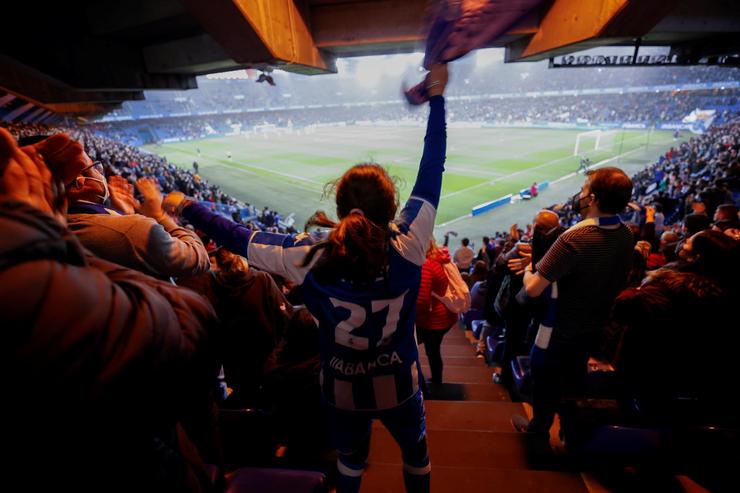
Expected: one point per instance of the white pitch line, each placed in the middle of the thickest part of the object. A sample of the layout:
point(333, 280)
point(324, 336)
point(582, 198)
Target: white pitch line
point(563, 178)
point(570, 175)
point(504, 177)
point(249, 165)
point(453, 221)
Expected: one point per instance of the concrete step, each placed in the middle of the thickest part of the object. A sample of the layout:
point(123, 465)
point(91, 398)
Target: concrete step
point(472, 415)
point(388, 478)
point(468, 449)
point(463, 361)
point(469, 392)
point(454, 341)
point(456, 351)
point(463, 374)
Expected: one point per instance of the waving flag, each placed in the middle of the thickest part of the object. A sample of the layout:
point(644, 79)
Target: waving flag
point(461, 26)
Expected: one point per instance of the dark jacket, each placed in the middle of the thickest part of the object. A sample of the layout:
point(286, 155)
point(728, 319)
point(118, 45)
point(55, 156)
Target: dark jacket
point(673, 319)
point(99, 364)
point(254, 315)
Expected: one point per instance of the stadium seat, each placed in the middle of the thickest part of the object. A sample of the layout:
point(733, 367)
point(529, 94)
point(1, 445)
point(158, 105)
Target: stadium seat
point(477, 327)
point(470, 316)
point(607, 431)
point(521, 374)
point(259, 480)
point(247, 437)
point(495, 345)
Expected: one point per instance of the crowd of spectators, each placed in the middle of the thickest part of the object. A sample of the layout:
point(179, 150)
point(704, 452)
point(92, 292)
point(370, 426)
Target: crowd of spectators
point(153, 374)
point(647, 108)
point(472, 79)
point(132, 164)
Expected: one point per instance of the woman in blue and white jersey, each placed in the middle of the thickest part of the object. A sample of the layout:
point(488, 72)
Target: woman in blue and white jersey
point(360, 284)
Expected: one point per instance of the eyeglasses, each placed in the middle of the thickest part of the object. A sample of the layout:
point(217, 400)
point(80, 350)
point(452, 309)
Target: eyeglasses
point(97, 166)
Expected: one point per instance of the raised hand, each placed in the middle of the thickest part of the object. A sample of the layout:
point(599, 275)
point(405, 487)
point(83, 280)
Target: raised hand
point(173, 203)
point(152, 204)
point(514, 232)
point(436, 81)
point(24, 177)
point(518, 265)
point(122, 195)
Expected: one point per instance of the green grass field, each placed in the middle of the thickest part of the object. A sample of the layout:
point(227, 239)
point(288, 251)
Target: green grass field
point(288, 172)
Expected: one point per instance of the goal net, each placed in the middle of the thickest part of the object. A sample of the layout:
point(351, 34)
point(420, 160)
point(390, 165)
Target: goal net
point(594, 140)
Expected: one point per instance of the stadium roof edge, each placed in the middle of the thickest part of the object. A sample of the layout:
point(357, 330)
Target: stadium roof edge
point(109, 51)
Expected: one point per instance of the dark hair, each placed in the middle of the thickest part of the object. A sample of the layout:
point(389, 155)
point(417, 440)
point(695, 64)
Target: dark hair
point(31, 139)
point(611, 187)
point(716, 256)
point(542, 240)
point(727, 211)
point(465, 242)
point(357, 245)
point(695, 223)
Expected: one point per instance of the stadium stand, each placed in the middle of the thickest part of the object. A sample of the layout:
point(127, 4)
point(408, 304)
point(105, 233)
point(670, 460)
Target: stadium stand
point(208, 376)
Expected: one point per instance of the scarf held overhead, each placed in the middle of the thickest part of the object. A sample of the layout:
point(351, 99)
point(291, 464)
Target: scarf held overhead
point(461, 26)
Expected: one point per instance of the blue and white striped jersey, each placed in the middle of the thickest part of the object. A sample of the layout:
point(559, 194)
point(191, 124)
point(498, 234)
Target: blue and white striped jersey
point(369, 355)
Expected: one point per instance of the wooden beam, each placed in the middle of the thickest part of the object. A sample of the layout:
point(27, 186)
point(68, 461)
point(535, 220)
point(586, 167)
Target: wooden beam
point(379, 22)
point(262, 32)
point(573, 25)
point(385, 26)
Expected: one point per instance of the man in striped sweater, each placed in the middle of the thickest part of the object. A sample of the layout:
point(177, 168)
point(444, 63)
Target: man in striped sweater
point(586, 267)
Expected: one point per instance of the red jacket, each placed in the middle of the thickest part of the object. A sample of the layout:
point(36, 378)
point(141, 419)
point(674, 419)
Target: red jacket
point(430, 312)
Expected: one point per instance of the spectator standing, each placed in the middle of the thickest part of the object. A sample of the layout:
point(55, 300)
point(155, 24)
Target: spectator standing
point(361, 284)
point(583, 271)
point(464, 256)
point(433, 319)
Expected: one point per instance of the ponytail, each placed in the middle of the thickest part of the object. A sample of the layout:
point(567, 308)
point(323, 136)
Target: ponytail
point(357, 246)
point(356, 249)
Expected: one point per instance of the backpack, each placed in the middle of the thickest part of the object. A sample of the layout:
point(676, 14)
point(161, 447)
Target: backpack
point(457, 297)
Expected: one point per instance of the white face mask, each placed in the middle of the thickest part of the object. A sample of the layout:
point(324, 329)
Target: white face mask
point(103, 198)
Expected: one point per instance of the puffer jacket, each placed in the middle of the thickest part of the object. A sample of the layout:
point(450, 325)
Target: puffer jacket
point(430, 312)
point(100, 362)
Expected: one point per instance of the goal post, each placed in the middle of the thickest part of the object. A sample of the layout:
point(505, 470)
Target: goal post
point(594, 140)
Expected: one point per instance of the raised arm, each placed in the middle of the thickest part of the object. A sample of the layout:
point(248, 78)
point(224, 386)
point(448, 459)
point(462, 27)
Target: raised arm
point(225, 232)
point(416, 221)
point(275, 253)
point(429, 179)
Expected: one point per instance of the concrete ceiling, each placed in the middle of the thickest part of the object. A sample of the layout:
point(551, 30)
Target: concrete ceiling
point(86, 56)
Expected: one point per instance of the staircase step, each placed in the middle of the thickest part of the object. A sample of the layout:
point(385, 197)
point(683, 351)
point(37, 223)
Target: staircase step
point(474, 449)
point(388, 478)
point(485, 392)
point(457, 351)
point(469, 415)
point(463, 361)
point(472, 415)
point(464, 374)
point(454, 341)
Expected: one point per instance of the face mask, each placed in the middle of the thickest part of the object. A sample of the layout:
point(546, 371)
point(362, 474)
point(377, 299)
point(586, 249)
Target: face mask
point(576, 203)
point(103, 198)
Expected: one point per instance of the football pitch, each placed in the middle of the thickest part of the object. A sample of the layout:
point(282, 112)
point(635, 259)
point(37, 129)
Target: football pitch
point(288, 171)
